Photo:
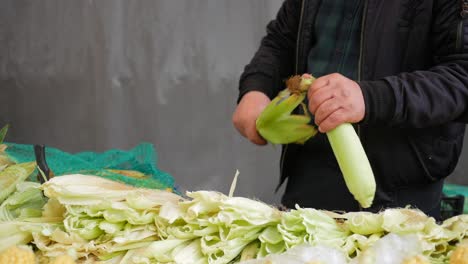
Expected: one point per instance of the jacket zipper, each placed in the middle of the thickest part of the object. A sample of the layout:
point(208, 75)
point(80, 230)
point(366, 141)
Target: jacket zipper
point(361, 48)
point(296, 70)
point(458, 43)
point(463, 15)
point(299, 30)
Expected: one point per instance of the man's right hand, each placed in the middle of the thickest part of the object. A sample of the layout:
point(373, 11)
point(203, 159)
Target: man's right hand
point(245, 116)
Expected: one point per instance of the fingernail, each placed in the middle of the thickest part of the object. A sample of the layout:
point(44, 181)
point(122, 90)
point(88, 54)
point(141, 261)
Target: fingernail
point(306, 76)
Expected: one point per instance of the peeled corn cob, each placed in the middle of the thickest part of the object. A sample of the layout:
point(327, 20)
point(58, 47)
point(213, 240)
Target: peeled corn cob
point(353, 163)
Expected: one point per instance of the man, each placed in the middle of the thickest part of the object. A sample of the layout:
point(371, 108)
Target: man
point(398, 70)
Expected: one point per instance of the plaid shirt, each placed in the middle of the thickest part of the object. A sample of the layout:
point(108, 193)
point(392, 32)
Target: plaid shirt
point(337, 31)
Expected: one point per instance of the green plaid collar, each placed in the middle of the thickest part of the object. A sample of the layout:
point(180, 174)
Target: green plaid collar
point(337, 30)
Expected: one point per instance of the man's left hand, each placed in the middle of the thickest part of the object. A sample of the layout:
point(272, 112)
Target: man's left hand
point(334, 100)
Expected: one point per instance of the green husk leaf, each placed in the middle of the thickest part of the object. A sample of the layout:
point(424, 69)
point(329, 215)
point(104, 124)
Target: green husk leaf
point(404, 221)
point(3, 133)
point(5, 161)
point(250, 251)
point(161, 250)
point(364, 223)
point(12, 235)
point(278, 125)
point(13, 175)
point(189, 253)
point(26, 202)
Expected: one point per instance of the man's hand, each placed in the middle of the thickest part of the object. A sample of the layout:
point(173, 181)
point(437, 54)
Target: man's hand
point(335, 99)
point(245, 116)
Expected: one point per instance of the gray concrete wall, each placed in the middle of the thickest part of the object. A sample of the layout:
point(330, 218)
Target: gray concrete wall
point(93, 75)
point(100, 74)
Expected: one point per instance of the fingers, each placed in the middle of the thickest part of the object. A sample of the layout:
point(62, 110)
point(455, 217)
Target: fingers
point(333, 120)
point(326, 109)
point(306, 75)
point(248, 129)
point(320, 91)
point(318, 98)
point(335, 99)
point(254, 137)
point(318, 84)
point(246, 114)
point(246, 126)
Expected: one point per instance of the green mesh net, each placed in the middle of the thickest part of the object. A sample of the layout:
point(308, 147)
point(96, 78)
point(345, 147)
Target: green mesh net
point(135, 167)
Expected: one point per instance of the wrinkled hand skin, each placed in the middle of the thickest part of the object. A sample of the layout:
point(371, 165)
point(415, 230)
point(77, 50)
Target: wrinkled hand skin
point(245, 116)
point(334, 100)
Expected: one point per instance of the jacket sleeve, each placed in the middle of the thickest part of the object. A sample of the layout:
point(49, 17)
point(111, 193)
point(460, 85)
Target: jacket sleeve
point(433, 97)
point(274, 60)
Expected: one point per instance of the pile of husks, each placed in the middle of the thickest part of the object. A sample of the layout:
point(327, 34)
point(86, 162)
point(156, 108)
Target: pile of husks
point(88, 219)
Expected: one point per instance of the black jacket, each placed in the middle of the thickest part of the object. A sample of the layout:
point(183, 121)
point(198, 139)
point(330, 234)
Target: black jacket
point(413, 71)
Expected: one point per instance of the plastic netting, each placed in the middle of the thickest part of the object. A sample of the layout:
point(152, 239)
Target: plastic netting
point(135, 167)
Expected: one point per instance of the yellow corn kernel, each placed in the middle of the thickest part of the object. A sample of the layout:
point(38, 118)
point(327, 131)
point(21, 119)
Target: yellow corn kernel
point(17, 255)
point(416, 260)
point(460, 255)
point(64, 259)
